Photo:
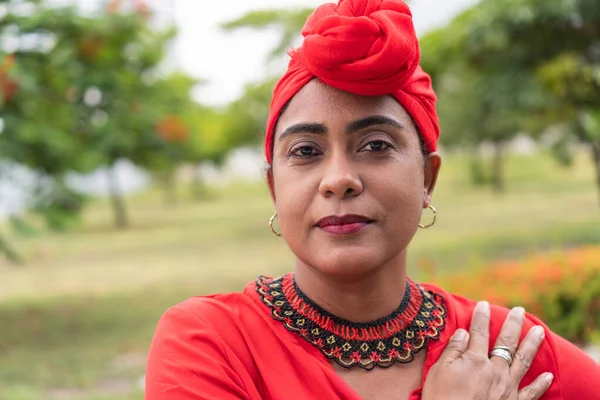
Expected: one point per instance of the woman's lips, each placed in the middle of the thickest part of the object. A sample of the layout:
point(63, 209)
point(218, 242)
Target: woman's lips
point(343, 225)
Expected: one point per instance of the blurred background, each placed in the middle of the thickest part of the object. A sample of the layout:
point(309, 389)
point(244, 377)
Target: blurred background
point(131, 170)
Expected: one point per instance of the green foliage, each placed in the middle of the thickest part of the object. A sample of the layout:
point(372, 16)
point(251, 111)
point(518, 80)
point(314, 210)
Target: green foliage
point(518, 66)
point(121, 55)
point(170, 98)
point(443, 48)
point(557, 40)
point(8, 250)
point(209, 140)
point(530, 32)
point(59, 207)
point(562, 149)
point(216, 131)
point(250, 112)
point(21, 227)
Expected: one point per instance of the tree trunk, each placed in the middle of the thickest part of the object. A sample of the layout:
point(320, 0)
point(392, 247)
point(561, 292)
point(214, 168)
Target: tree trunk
point(477, 170)
point(169, 186)
point(116, 198)
point(9, 252)
point(596, 160)
point(498, 168)
point(198, 187)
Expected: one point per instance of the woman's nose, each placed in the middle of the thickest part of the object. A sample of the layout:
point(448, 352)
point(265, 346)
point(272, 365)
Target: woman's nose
point(340, 177)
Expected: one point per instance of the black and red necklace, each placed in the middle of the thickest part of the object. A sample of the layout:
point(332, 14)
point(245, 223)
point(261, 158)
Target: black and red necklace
point(396, 338)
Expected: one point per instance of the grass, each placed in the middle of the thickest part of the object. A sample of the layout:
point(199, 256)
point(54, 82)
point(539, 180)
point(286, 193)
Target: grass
point(76, 321)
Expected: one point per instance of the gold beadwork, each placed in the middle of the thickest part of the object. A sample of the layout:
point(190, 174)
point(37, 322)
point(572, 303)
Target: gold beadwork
point(338, 340)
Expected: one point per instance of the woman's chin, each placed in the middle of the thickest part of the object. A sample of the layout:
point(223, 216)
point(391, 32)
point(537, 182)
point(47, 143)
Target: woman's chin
point(347, 263)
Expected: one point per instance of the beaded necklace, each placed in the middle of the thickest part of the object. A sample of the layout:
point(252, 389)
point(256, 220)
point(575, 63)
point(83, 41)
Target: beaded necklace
point(398, 337)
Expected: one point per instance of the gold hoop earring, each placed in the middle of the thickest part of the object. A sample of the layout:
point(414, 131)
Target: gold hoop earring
point(432, 208)
point(271, 225)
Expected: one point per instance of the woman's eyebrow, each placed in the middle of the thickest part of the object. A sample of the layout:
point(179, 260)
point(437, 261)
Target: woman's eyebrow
point(315, 128)
point(354, 126)
point(371, 120)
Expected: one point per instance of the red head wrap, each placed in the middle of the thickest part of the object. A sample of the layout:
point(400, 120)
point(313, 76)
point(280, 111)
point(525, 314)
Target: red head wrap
point(365, 47)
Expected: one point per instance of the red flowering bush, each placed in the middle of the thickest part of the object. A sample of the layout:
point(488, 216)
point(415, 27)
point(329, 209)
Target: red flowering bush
point(172, 129)
point(561, 288)
point(8, 86)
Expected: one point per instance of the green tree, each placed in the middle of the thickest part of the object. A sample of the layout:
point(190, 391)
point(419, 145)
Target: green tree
point(482, 99)
point(575, 84)
point(36, 110)
point(169, 144)
point(556, 40)
point(87, 93)
point(215, 132)
point(82, 91)
point(118, 90)
point(247, 116)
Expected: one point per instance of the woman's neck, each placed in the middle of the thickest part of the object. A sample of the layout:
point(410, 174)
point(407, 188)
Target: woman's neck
point(361, 299)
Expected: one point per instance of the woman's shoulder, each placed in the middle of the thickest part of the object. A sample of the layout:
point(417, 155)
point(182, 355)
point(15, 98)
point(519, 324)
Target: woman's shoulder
point(203, 339)
point(460, 309)
point(217, 321)
point(576, 374)
point(219, 309)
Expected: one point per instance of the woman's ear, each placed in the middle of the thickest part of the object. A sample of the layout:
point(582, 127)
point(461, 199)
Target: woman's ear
point(271, 182)
point(433, 162)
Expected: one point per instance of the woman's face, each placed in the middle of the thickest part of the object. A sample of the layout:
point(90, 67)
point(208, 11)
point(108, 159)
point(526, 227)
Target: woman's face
point(348, 179)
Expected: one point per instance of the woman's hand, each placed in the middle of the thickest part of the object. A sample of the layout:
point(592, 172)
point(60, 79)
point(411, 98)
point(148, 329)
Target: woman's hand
point(466, 372)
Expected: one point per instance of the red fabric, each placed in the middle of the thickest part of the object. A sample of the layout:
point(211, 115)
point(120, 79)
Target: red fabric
point(365, 47)
point(228, 347)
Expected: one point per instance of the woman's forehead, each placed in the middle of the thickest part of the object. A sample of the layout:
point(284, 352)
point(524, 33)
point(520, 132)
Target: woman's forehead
point(318, 102)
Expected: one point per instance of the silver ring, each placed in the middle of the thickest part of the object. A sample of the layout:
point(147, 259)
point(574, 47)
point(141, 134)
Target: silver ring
point(502, 352)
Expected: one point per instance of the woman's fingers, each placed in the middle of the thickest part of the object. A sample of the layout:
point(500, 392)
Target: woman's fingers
point(537, 388)
point(509, 335)
point(464, 369)
point(480, 330)
point(526, 353)
point(456, 348)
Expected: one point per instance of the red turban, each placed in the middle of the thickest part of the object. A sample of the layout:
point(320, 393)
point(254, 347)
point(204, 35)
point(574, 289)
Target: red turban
point(365, 47)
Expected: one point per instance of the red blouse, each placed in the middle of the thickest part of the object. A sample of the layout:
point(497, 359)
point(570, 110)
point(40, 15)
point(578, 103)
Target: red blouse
point(227, 346)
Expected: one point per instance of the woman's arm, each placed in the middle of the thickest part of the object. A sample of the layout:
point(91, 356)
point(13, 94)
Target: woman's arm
point(189, 361)
point(578, 374)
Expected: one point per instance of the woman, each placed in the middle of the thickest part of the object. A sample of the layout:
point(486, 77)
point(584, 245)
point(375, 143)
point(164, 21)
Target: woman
point(351, 149)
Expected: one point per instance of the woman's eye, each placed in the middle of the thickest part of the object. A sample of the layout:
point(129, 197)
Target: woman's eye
point(377, 145)
point(304, 151)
